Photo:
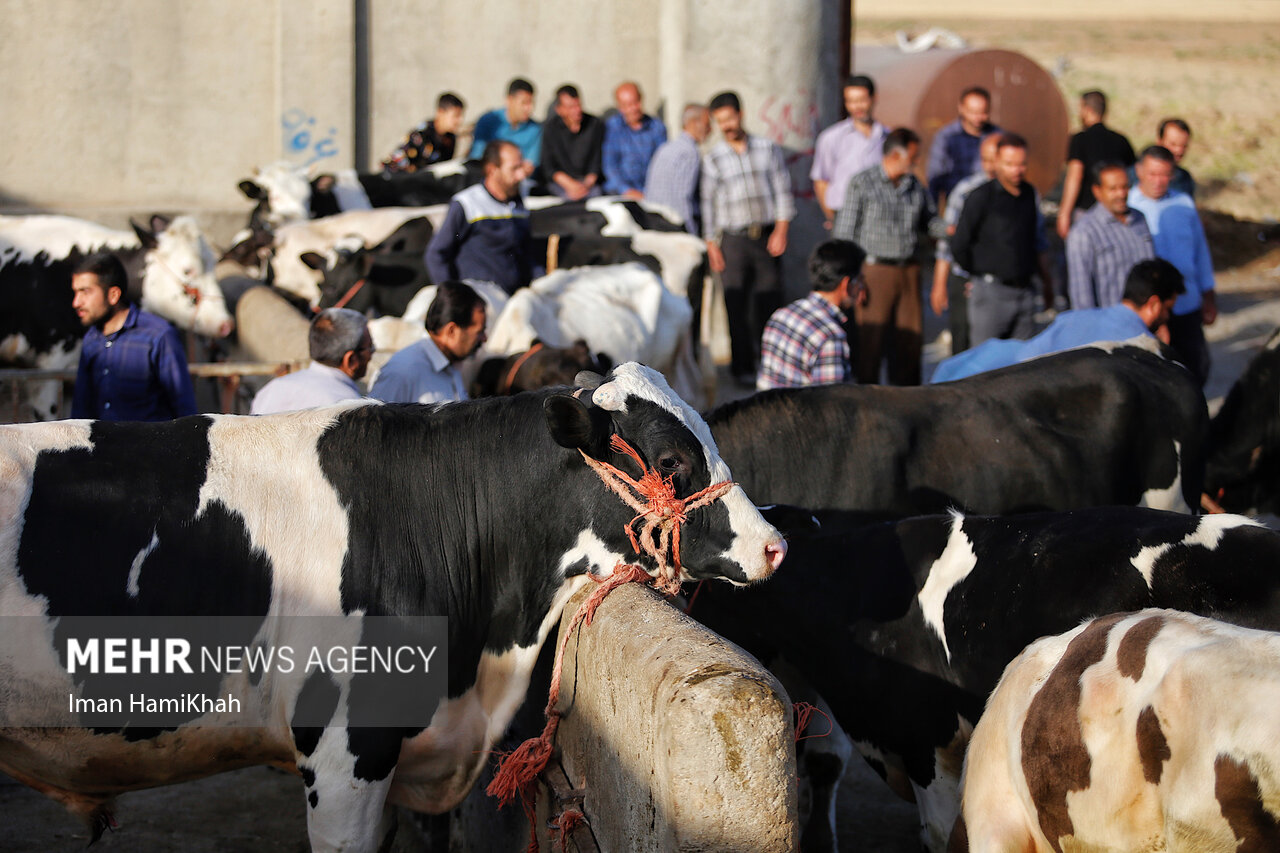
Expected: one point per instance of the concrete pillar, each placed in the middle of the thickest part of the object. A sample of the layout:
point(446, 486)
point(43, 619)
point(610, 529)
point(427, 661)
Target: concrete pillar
point(781, 57)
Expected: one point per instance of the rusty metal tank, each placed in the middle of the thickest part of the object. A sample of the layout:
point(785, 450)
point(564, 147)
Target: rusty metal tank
point(921, 91)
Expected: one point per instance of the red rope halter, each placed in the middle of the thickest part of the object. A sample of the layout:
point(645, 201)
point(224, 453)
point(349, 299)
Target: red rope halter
point(663, 514)
point(515, 368)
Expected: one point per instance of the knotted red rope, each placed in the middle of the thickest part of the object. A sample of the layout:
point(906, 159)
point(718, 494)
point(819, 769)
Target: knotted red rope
point(804, 714)
point(662, 512)
point(569, 820)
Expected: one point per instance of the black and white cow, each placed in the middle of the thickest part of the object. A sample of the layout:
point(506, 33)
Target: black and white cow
point(1242, 473)
point(170, 269)
point(1089, 427)
point(483, 512)
point(382, 278)
point(286, 192)
point(904, 627)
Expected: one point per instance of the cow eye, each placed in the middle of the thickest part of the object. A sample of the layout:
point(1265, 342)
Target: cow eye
point(671, 464)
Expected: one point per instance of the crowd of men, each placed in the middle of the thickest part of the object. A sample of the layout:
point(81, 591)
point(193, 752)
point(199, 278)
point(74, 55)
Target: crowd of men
point(863, 320)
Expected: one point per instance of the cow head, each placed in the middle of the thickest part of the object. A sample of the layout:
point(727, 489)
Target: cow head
point(1242, 472)
point(282, 191)
point(727, 538)
point(177, 277)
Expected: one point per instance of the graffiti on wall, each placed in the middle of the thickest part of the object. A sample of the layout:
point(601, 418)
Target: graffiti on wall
point(792, 122)
point(302, 141)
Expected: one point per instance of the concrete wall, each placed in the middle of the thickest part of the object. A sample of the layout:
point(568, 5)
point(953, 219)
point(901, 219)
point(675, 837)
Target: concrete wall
point(149, 105)
point(681, 740)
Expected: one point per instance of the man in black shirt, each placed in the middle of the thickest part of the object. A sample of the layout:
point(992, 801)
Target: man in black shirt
point(571, 148)
point(1097, 143)
point(999, 240)
point(430, 142)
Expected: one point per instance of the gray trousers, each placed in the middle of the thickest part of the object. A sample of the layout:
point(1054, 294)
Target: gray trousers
point(997, 310)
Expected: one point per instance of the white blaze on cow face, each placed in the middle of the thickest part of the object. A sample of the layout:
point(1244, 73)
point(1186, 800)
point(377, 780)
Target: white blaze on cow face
point(288, 190)
point(178, 282)
point(1169, 498)
point(754, 539)
point(1208, 533)
point(954, 565)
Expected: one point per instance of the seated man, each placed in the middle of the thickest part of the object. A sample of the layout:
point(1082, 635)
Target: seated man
point(1149, 294)
point(630, 139)
point(804, 343)
point(571, 148)
point(430, 142)
point(427, 371)
point(340, 347)
point(513, 124)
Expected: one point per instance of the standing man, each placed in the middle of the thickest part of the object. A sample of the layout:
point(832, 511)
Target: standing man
point(1095, 144)
point(571, 148)
point(805, 343)
point(885, 209)
point(430, 142)
point(999, 241)
point(1106, 241)
point(673, 173)
point(746, 210)
point(1175, 135)
point(427, 371)
point(630, 140)
point(132, 365)
point(1179, 238)
point(847, 147)
point(951, 282)
point(340, 347)
point(485, 234)
point(511, 124)
point(953, 155)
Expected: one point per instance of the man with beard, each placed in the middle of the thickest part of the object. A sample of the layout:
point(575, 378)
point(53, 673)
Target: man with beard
point(427, 371)
point(132, 364)
point(847, 147)
point(746, 211)
point(340, 347)
point(485, 234)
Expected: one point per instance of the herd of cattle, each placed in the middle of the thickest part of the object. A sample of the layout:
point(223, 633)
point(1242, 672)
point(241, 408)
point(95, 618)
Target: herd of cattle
point(930, 535)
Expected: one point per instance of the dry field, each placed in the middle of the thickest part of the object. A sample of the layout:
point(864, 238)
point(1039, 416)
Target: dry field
point(1223, 78)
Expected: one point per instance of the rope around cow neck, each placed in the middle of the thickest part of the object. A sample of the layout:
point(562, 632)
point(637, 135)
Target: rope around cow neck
point(663, 514)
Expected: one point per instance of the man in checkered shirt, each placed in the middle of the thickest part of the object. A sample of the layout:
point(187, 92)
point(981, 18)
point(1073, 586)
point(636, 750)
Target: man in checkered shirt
point(805, 342)
point(746, 210)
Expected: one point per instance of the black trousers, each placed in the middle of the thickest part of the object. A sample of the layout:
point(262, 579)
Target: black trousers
point(1186, 336)
point(752, 284)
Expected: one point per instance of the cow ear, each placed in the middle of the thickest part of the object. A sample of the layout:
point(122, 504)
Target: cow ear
point(147, 238)
point(312, 260)
point(588, 379)
point(569, 421)
point(159, 223)
point(250, 190)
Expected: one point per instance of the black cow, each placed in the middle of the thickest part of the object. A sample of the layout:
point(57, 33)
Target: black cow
point(484, 512)
point(382, 278)
point(905, 627)
point(1089, 427)
point(540, 366)
point(1242, 473)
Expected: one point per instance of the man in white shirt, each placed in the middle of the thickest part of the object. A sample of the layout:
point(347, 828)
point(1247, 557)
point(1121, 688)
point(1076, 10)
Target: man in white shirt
point(340, 347)
point(427, 371)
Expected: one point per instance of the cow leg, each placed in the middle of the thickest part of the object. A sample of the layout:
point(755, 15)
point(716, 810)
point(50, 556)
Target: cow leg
point(347, 810)
point(939, 802)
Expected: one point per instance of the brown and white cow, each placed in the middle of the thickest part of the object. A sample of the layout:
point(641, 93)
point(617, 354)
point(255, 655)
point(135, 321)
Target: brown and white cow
point(1153, 730)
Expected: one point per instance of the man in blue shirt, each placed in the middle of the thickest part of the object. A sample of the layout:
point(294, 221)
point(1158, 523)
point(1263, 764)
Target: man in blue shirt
point(630, 140)
point(1149, 294)
point(132, 366)
point(512, 124)
point(485, 234)
point(427, 371)
point(1179, 238)
point(953, 153)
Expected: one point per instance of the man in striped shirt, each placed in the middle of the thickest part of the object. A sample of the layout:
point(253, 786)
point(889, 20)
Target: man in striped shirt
point(1106, 241)
point(673, 172)
point(805, 342)
point(746, 210)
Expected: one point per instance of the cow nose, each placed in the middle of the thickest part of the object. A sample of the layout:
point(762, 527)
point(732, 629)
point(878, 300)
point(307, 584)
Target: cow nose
point(226, 328)
point(774, 552)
